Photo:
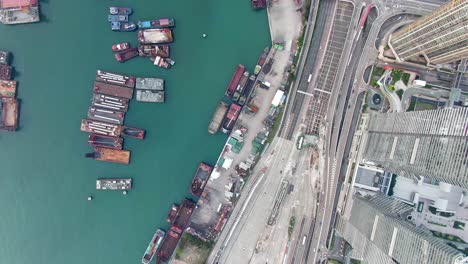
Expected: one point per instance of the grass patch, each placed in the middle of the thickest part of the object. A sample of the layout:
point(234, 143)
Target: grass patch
point(405, 77)
point(459, 225)
point(400, 93)
point(448, 237)
point(392, 185)
point(364, 108)
point(275, 127)
point(192, 248)
point(292, 223)
point(421, 106)
point(377, 72)
point(396, 75)
point(355, 261)
point(412, 105)
point(438, 224)
point(391, 88)
point(334, 261)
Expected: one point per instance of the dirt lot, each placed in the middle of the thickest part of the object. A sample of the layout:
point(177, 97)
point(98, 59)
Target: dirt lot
point(192, 250)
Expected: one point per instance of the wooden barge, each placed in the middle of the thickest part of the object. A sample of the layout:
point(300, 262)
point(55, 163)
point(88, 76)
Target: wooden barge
point(9, 114)
point(115, 78)
point(113, 90)
point(110, 155)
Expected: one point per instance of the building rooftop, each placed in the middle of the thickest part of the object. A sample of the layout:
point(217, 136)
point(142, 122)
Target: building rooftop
point(372, 178)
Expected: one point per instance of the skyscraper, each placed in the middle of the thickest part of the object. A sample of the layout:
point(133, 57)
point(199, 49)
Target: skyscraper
point(432, 143)
point(441, 36)
point(379, 232)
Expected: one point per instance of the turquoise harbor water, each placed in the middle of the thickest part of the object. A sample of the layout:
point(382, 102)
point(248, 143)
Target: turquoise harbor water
point(44, 178)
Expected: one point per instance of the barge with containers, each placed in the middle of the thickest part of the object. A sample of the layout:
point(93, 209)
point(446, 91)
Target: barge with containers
point(115, 78)
point(109, 155)
point(175, 231)
point(150, 84)
point(96, 140)
point(161, 62)
point(231, 117)
point(200, 179)
point(150, 90)
point(120, 46)
point(153, 246)
point(156, 23)
point(149, 96)
point(113, 90)
point(152, 50)
point(126, 55)
point(7, 88)
point(110, 102)
point(235, 80)
point(240, 87)
point(113, 184)
point(9, 114)
point(110, 116)
point(218, 117)
point(113, 10)
point(155, 36)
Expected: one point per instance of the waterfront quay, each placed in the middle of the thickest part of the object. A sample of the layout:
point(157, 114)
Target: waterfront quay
point(46, 178)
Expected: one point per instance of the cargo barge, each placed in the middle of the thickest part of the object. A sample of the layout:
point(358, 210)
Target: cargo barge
point(155, 84)
point(110, 102)
point(113, 184)
point(240, 87)
point(231, 117)
point(9, 114)
point(6, 72)
point(200, 179)
point(155, 36)
point(112, 130)
point(261, 60)
point(110, 116)
point(7, 88)
point(117, 18)
point(126, 55)
point(218, 117)
point(115, 78)
point(157, 23)
point(153, 246)
point(123, 26)
point(96, 140)
point(172, 213)
point(175, 231)
point(110, 155)
point(113, 90)
point(20, 15)
point(235, 80)
point(248, 89)
point(149, 96)
point(120, 46)
point(151, 50)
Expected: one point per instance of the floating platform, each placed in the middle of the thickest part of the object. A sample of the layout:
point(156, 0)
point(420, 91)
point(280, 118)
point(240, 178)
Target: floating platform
point(110, 102)
point(172, 213)
point(7, 88)
point(110, 116)
point(113, 90)
point(110, 155)
point(115, 78)
point(113, 184)
point(96, 140)
point(149, 96)
point(150, 84)
point(9, 114)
